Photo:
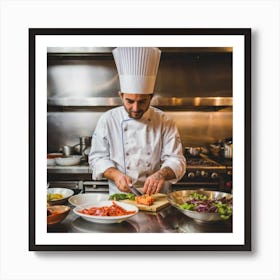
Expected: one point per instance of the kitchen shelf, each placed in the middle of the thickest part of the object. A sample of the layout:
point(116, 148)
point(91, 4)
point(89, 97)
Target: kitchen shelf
point(78, 169)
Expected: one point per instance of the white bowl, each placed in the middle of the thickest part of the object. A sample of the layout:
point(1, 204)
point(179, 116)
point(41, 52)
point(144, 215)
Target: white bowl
point(57, 213)
point(177, 198)
point(87, 198)
point(106, 219)
point(66, 193)
point(51, 158)
point(68, 161)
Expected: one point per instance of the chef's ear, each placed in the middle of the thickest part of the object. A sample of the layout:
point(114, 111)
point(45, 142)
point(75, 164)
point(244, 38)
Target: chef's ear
point(121, 95)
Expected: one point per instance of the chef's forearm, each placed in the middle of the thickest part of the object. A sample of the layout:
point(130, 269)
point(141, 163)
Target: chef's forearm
point(166, 173)
point(112, 173)
point(121, 180)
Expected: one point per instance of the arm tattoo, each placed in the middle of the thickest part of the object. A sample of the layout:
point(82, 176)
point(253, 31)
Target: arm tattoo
point(166, 173)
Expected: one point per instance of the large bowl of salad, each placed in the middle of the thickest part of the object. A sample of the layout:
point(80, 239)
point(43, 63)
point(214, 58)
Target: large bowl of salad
point(202, 206)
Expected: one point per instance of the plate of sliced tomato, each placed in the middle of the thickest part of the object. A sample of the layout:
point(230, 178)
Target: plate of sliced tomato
point(106, 212)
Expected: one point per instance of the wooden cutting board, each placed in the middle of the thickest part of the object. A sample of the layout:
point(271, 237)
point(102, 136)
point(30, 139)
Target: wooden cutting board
point(159, 203)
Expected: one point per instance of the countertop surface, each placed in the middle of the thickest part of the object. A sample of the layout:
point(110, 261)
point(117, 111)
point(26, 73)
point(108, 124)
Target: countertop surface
point(168, 220)
point(81, 168)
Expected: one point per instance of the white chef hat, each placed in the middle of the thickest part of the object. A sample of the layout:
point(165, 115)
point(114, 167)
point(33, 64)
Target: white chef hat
point(137, 68)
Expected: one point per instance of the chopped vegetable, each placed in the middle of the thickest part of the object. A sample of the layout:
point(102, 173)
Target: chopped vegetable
point(122, 196)
point(113, 210)
point(187, 206)
point(144, 199)
point(198, 196)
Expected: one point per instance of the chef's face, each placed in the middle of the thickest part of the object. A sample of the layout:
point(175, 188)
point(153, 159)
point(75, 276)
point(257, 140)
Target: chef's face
point(136, 104)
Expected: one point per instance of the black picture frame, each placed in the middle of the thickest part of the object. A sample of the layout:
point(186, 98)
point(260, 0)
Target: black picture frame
point(34, 245)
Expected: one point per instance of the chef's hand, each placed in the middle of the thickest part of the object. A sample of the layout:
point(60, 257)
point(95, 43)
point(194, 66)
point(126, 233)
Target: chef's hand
point(155, 182)
point(121, 180)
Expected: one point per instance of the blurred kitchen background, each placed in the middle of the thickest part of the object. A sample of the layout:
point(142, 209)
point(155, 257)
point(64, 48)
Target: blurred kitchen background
point(194, 86)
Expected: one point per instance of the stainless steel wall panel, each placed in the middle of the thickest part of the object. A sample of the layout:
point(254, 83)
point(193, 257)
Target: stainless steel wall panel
point(196, 128)
point(65, 128)
point(82, 78)
point(200, 128)
point(181, 75)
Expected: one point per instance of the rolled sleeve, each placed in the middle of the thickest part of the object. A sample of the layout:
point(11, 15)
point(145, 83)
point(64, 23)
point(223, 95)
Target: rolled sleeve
point(172, 152)
point(99, 167)
point(178, 167)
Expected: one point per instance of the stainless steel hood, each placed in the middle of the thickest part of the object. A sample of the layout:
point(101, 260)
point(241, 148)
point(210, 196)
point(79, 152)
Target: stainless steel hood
point(168, 102)
point(188, 78)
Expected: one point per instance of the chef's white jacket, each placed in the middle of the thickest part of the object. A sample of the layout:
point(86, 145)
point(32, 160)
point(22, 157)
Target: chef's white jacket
point(138, 148)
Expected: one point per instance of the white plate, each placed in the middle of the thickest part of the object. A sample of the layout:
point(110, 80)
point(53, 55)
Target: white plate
point(106, 219)
point(87, 198)
point(68, 161)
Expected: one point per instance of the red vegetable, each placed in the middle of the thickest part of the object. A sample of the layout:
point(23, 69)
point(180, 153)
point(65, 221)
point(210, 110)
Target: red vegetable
point(113, 210)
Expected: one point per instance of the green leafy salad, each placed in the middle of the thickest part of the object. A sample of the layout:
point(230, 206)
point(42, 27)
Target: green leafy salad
point(122, 196)
point(201, 203)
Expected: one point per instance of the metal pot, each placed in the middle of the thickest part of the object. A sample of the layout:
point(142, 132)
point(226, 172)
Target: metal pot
point(193, 151)
point(67, 150)
point(82, 148)
point(224, 148)
point(215, 150)
point(227, 150)
point(85, 143)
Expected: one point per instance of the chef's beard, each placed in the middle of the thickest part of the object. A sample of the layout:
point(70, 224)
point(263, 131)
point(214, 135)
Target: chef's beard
point(136, 115)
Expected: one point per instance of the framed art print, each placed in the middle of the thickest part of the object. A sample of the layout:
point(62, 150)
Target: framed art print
point(203, 84)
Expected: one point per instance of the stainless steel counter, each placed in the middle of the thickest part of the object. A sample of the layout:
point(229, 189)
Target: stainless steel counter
point(168, 220)
point(75, 169)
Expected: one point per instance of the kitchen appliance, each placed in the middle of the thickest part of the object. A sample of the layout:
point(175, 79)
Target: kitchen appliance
point(222, 148)
point(206, 172)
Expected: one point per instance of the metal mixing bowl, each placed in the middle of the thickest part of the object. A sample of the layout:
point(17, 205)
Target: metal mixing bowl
point(180, 197)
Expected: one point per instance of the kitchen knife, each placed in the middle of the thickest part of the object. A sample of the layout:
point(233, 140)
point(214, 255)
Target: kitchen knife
point(135, 191)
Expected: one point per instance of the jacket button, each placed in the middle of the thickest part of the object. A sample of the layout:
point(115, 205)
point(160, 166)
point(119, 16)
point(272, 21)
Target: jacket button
point(148, 153)
point(127, 154)
point(127, 167)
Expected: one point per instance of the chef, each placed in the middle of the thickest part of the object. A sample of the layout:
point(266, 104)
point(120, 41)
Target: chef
point(137, 144)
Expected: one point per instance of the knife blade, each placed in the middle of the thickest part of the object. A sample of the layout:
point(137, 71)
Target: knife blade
point(135, 191)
